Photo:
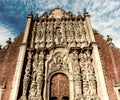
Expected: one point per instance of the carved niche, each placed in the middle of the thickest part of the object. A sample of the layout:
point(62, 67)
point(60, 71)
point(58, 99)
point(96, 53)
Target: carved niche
point(84, 76)
point(33, 81)
point(59, 29)
point(77, 74)
point(88, 75)
point(58, 62)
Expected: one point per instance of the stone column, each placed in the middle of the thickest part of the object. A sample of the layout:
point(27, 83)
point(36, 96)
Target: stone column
point(77, 76)
point(40, 76)
point(89, 26)
point(21, 56)
point(102, 91)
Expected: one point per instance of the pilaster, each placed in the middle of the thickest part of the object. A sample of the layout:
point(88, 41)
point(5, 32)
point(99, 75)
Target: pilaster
point(21, 56)
point(102, 90)
point(89, 26)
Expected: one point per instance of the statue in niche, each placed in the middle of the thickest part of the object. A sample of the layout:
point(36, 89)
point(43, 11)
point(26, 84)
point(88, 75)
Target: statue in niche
point(52, 66)
point(59, 37)
point(93, 86)
point(49, 38)
point(86, 89)
point(81, 26)
point(41, 37)
point(83, 60)
point(40, 82)
point(65, 63)
point(33, 91)
point(35, 66)
point(74, 55)
point(37, 40)
point(78, 89)
point(40, 75)
point(59, 62)
point(90, 68)
point(70, 35)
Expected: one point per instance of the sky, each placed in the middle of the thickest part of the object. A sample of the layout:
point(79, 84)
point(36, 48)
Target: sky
point(105, 15)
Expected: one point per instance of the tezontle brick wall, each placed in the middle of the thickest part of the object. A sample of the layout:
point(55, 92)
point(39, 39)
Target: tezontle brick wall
point(8, 60)
point(108, 67)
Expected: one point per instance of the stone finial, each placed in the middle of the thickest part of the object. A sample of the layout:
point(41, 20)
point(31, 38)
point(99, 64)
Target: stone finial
point(85, 10)
point(86, 14)
point(30, 14)
point(109, 40)
point(78, 13)
point(36, 16)
point(8, 43)
point(57, 7)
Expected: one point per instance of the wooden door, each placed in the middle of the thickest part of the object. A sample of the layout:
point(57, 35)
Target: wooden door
point(59, 87)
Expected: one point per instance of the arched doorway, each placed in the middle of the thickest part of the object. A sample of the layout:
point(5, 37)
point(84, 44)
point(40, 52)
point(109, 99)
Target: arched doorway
point(59, 87)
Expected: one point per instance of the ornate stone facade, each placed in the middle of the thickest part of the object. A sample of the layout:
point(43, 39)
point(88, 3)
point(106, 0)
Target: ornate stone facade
point(58, 47)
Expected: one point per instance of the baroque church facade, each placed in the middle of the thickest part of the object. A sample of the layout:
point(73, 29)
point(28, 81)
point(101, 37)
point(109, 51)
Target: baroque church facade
point(59, 57)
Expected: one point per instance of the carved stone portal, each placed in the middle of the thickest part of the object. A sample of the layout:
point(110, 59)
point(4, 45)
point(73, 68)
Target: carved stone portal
point(57, 44)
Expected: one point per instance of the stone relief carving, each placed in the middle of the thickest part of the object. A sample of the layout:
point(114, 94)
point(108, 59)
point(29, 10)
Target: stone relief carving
point(59, 39)
point(39, 38)
point(26, 79)
point(88, 75)
point(77, 75)
point(33, 91)
point(59, 62)
point(37, 78)
point(49, 34)
point(84, 75)
point(57, 32)
point(60, 32)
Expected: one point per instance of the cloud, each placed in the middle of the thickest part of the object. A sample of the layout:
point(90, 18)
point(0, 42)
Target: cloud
point(104, 13)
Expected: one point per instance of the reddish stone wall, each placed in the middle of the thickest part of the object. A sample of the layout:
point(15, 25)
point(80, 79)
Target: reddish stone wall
point(2, 67)
point(8, 60)
point(108, 68)
point(116, 54)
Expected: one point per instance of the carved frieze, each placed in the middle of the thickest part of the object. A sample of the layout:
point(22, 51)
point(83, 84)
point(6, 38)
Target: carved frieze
point(58, 62)
point(59, 32)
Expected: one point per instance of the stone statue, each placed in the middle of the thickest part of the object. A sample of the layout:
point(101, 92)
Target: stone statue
point(59, 37)
point(33, 91)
